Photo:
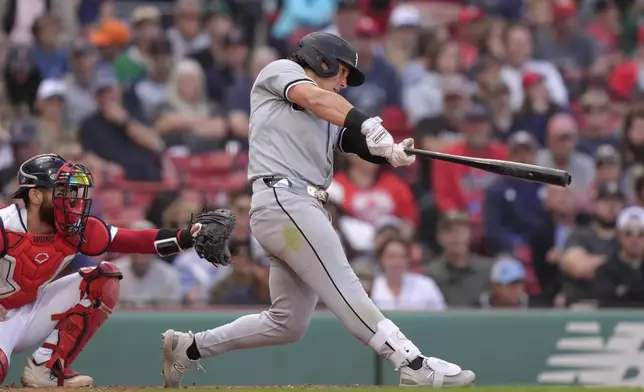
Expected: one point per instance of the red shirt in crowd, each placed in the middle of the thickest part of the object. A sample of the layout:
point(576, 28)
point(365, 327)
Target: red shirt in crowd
point(387, 196)
point(459, 187)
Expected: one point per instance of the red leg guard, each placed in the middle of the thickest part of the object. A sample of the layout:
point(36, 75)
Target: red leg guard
point(99, 294)
point(4, 366)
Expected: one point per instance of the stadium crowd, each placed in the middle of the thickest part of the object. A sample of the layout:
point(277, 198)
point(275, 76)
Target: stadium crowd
point(153, 96)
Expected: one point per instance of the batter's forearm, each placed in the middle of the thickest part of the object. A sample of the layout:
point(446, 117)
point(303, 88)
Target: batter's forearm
point(326, 105)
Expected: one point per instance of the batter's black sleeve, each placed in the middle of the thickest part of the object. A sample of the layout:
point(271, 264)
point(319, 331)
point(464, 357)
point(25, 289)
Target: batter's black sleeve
point(353, 141)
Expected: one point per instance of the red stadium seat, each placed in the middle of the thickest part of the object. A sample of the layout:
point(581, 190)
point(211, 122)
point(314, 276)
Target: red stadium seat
point(217, 162)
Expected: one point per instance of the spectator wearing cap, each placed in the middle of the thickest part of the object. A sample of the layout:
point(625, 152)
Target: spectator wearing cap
point(460, 274)
point(187, 36)
point(403, 32)
point(50, 109)
point(372, 195)
point(440, 77)
point(598, 127)
point(619, 282)
point(399, 289)
point(217, 22)
point(624, 79)
point(508, 290)
point(467, 30)
point(136, 60)
point(560, 153)
point(559, 219)
point(80, 100)
point(608, 165)
point(381, 88)
point(148, 280)
point(459, 187)
point(186, 120)
point(146, 94)
point(116, 136)
point(110, 37)
point(237, 96)
point(567, 46)
point(232, 68)
point(537, 107)
point(247, 283)
point(513, 209)
point(605, 27)
point(519, 60)
point(21, 79)
point(588, 247)
point(51, 60)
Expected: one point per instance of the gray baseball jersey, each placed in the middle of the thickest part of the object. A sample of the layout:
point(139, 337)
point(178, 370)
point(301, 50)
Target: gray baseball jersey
point(285, 139)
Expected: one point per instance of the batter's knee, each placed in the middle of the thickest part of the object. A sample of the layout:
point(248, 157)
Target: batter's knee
point(290, 328)
point(4, 366)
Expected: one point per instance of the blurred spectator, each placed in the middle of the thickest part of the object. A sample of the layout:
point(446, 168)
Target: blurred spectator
point(50, 108)
point(218, 22)
point(638, 189)
point(21, 79)
point(19, 18)
point(460, 187)
point(633, 139)
point(237, 96)
point(397, 288)
point(624, 77)
point(382, 86)
point(619, 282)
point(186, 35)
point(519, 60)
point(78, 96)
point(608, 165)
point(548, 241)
point(240, 203)
point(111, 134)
point(365, 276)
point(137, 59)
point(560, 153)
point(566, 46)
point(148, 280)
point(110, 37)
point(51, 60)
point(371, 194)
point(468, 30)
point(587, 248)
point(146, 95)
point(597, 123)
point(508, 286)
point(440, 81)
point(232, 68)
point(502, 116)
point(604, 29)
point(513, 208)
point(345, 19)
point(247, 284)
point(187, 120)
point(460, 274)
point(405, 23)
point(537, 108)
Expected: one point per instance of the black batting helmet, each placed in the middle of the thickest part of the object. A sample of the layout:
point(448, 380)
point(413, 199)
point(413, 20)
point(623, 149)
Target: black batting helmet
point(38, 172)
point(319, 48)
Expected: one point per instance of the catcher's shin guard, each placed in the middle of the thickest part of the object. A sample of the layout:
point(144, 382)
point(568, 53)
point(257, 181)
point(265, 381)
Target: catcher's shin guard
point(4, 366)
point(99, 294)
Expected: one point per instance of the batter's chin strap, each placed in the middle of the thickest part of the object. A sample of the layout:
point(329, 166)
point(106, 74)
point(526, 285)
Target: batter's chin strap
point(172, 241)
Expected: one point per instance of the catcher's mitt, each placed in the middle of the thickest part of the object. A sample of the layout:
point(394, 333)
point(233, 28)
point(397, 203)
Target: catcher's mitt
point(210, 230)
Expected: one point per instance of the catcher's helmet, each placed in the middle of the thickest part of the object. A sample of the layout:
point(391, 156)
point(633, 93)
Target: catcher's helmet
point(38, 172)
point(319, 48)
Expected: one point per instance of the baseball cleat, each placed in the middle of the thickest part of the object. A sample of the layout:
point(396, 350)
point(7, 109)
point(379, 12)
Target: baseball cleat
point(436, 373)
point(40, 376)
point(175, 359)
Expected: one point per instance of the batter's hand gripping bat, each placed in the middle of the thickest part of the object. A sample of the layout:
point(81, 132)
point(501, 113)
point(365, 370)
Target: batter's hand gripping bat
point(522, 171)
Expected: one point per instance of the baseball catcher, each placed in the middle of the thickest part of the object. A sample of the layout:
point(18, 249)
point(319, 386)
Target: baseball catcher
point(37, 242)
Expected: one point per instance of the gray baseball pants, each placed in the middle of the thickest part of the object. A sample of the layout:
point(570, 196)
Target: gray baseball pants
point(307, 262)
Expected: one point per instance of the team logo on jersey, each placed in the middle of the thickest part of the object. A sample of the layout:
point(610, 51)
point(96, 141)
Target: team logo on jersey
point(41, 257)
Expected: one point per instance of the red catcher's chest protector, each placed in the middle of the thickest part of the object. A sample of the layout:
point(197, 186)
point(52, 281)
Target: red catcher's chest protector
point(30, 262)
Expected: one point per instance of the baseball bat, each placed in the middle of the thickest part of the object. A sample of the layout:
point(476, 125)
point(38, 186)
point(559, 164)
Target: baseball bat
point(522, 171)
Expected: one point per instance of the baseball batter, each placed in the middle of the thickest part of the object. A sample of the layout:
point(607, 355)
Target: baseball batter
point(297, 121)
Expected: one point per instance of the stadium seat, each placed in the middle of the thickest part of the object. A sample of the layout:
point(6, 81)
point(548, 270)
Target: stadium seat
point(217, 162)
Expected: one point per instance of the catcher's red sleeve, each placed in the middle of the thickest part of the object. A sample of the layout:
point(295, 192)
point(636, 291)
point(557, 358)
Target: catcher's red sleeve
point(133, 241)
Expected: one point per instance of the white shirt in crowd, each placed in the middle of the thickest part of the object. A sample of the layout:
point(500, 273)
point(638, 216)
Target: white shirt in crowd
point(418, 292)
point(554, 83)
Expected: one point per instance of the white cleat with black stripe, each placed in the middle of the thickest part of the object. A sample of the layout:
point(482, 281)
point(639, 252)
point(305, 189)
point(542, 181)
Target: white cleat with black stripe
point(436, 373)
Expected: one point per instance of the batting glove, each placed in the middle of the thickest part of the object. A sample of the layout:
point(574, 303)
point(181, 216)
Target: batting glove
point(399, 157)
point(379, 140)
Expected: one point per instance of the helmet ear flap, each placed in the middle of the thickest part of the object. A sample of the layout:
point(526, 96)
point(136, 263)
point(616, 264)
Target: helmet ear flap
point(316, 60)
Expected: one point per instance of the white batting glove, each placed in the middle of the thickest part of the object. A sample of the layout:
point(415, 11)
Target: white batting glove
point(399, 157)
point(379, 140)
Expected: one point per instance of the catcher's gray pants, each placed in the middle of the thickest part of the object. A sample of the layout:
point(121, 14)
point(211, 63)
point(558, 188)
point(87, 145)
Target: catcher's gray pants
point(306, 261)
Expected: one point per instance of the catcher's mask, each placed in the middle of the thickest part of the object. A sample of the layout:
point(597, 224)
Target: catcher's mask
point(71, 200)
